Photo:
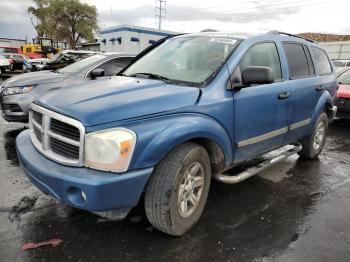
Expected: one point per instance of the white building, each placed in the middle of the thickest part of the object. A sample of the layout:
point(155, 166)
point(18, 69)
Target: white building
point(337, 50)
point(12, 42)
point(130, 39)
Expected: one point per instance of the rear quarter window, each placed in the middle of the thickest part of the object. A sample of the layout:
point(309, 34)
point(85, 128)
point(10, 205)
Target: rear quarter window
point(297, 60)
point(321, 61)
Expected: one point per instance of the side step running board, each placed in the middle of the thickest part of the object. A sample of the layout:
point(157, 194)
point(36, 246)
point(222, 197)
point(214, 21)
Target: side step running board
point(269, 159)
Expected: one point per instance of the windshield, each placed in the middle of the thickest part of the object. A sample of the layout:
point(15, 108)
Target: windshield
point(344, 78)
point(190, 59)
point(82, 65)
point(46, 42)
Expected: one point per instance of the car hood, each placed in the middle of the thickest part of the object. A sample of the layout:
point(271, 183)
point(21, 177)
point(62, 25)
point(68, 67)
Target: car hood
point(343, 91)
point(118, 98)
point(34, 78)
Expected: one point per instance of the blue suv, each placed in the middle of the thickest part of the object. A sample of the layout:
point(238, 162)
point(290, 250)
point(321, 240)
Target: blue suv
point(188, 108)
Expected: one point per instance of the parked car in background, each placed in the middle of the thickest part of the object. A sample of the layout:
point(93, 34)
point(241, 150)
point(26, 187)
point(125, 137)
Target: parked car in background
point(9, 50)
point(17, 61)
point(66, 57)
point(343, 95)
point(4, 64)
point(187, 109)
point(341, 66)
point(19, 91)
point(35, 64)
point(341, 63)
point(59, 60)
point(340, 70)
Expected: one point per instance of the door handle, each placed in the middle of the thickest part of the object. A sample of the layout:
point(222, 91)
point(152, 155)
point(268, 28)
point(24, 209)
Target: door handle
point(319, 88)
point(283, 95)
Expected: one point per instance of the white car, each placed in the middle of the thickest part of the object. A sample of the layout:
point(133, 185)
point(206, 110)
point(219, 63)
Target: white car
point(4, 64)
point(341, 63)
point(35, 64)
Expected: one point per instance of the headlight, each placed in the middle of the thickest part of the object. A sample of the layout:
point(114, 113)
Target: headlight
point(110, 150)
point(17, 90)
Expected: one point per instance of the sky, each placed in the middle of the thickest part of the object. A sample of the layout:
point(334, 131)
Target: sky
point(240, 16)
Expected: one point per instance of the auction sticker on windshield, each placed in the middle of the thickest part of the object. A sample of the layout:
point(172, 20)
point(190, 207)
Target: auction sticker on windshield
point(228, 41)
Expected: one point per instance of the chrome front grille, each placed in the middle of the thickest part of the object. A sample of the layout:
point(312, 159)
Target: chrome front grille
point(64, 129)
point(38, 117)
point(57, 137)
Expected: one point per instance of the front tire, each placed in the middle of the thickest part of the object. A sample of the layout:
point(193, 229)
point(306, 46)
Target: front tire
point(178, 189)
point(314, 143)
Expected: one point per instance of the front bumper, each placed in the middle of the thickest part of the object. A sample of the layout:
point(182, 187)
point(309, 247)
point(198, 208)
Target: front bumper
point(15, 108)
point(81, 187)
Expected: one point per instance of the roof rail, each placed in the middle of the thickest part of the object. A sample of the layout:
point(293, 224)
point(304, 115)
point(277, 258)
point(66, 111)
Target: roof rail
point(275, 32)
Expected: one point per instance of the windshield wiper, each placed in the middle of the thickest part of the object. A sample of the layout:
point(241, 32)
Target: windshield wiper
point(153, 76)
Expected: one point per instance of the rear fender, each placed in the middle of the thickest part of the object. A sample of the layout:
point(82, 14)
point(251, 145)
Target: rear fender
point(324, 102)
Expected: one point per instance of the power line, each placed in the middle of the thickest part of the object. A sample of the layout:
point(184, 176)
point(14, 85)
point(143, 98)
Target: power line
point(160, 12)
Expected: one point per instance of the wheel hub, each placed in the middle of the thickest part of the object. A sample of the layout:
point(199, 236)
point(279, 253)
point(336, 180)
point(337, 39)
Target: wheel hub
point(319, 135)
point(190, 190)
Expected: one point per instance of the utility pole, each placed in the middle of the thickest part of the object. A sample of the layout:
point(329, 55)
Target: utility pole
point(160, 12)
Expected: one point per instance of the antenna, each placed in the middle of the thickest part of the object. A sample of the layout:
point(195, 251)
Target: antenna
point(160, 12)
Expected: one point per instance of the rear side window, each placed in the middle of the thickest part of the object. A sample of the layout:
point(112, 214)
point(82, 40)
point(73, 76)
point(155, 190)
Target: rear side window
point(264, 54)
point(297, 60)
point(309, 61)
point(322, 63)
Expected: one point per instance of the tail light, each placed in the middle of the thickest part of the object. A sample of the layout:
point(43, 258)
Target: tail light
point(11, 61)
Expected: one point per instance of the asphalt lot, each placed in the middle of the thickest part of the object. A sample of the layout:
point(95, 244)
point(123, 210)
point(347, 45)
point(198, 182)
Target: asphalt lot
point(296, 211)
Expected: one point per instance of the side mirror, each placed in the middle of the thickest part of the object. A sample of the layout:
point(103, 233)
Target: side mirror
point(257, 75)
point(97, 72)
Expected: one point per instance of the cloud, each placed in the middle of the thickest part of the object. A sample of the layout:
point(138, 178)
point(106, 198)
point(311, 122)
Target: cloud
point(14, 19)
point(260, 12)
point(294, 16)
point(130, 16)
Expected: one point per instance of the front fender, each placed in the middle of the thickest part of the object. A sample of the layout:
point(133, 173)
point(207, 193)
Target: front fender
point(158, 136)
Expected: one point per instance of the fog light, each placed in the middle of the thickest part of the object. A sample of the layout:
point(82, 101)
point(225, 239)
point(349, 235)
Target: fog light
point(76, 196)
point(83, 196)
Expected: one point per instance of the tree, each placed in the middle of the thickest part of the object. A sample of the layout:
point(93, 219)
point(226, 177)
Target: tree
point(40, 12)
point(76, 20)
point(68, 20)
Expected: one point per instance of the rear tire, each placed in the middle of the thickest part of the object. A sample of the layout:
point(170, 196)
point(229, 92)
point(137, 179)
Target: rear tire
point(178, 189)
point(314, 143)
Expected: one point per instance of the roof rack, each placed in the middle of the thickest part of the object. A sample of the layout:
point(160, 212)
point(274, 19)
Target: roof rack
point(275, 32)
